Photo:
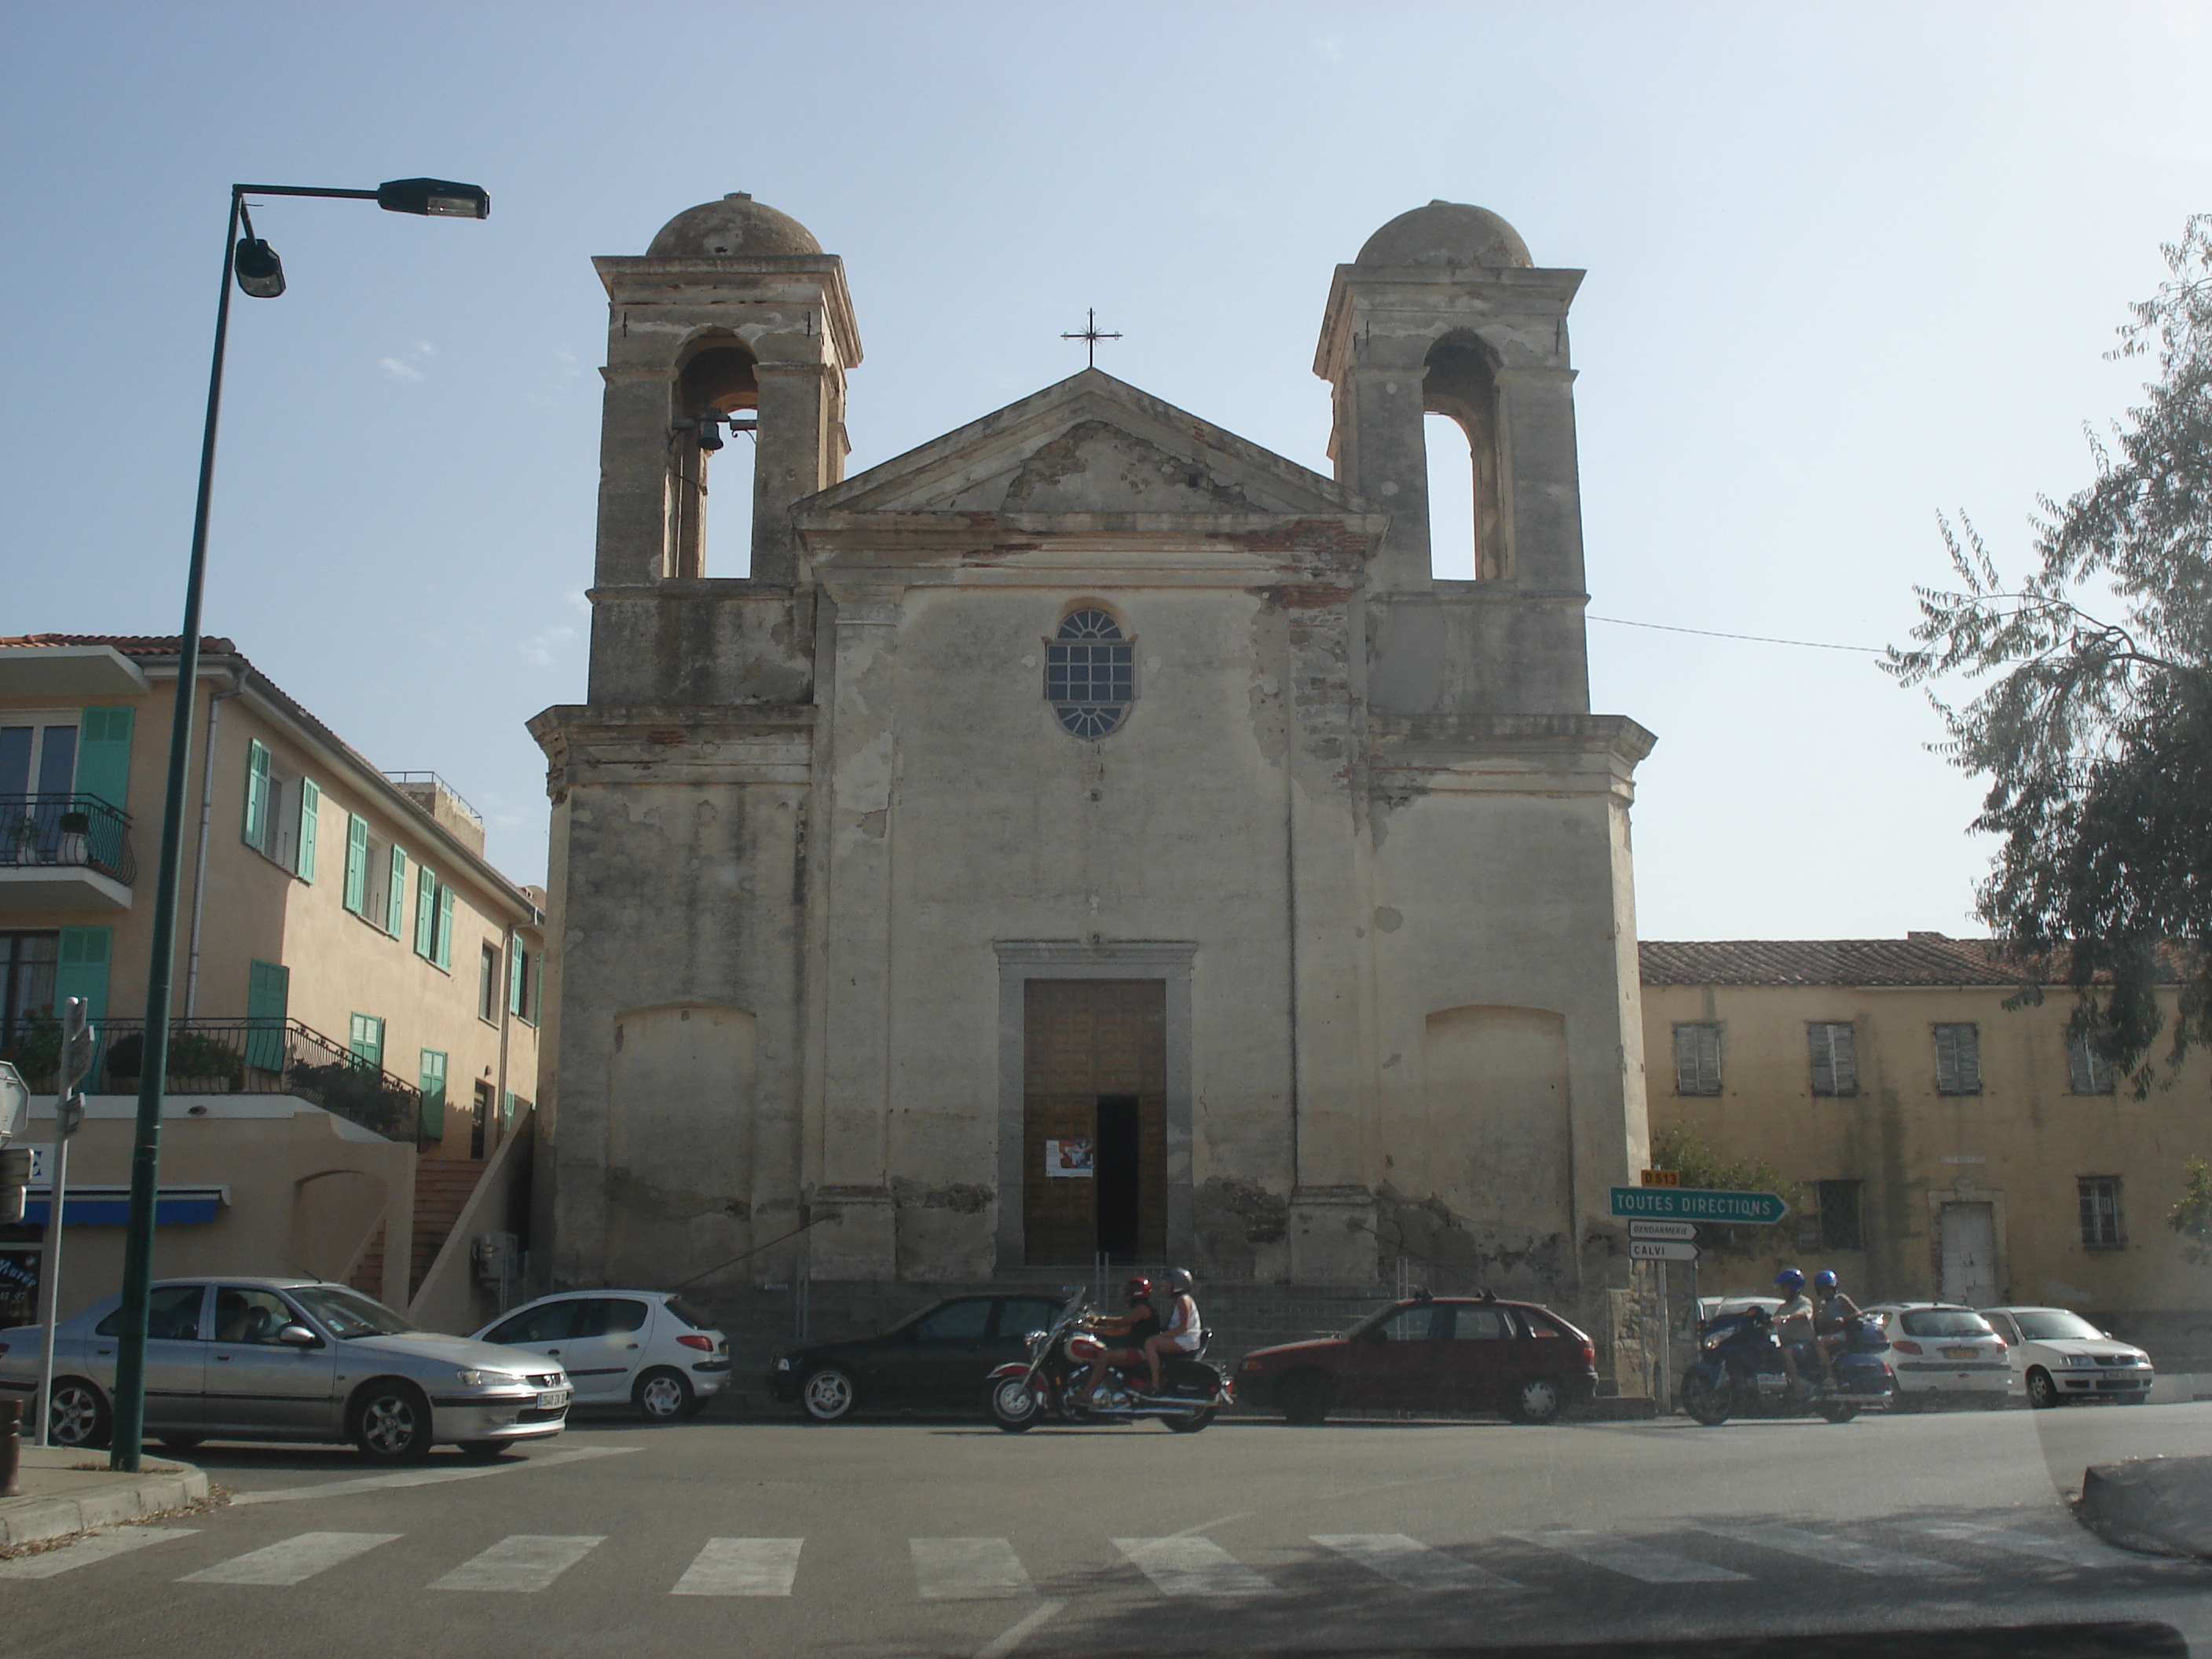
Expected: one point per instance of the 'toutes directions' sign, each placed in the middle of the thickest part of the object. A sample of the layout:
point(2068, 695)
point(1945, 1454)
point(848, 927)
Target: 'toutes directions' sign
point(1680, 1232)
point(1656, 1250)
point(1697, 1204)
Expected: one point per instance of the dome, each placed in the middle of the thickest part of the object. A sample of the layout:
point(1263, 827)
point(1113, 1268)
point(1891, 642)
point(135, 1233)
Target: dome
point(1447, 235)
point(735, 225)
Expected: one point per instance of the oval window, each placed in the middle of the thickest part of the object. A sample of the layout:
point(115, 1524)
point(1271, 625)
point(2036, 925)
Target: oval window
point(1089, 674)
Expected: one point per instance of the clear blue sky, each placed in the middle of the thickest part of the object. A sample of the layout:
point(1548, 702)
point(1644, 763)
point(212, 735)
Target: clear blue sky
point(1849, 266)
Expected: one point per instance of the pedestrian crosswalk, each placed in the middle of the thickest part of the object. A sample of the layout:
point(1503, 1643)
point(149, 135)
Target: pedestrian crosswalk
point(1184, 1566)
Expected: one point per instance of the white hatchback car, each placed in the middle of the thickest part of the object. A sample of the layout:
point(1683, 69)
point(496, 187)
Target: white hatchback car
point(639, 1348)
point(2058, 1356)
point(1944, 1355)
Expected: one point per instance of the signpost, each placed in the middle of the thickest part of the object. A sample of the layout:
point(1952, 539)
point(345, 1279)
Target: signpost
point(1697, 1204)
point(68, 1112)
point(1680, 1232)
point(1661, 1251)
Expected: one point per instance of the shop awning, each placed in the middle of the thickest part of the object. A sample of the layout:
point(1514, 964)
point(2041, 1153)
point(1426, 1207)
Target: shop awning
point(110, 1206)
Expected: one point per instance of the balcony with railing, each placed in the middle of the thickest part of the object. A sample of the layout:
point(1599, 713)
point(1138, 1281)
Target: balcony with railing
point(232, 1056)
point(64, 853)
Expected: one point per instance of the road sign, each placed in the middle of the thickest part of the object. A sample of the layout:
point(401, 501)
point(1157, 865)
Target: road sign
point(15, 1103)
point(1658, 1249)
point(1661, 1178)
point(1682, 1232)
point(1697, 1204)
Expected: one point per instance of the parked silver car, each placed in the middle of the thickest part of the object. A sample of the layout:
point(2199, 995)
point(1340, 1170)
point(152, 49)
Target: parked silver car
point(239, 1358)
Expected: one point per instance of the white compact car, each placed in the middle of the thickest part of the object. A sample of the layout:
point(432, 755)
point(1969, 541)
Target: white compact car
point(638, 1348)
point(1944, 1355)
point(2058, 1356)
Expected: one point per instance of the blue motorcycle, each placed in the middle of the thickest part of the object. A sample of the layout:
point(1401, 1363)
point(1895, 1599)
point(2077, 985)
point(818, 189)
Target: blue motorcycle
point(1739, 1373)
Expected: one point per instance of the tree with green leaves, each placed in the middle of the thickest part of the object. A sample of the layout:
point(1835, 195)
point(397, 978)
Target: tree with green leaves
point(2192, 1216)
point(2090, 712)
point(1680, 1149)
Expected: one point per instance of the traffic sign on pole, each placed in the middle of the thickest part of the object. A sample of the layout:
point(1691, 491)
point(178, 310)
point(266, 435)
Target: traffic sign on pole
point(1698, 1204)
point(1660, 1250)
point(1682, 1232)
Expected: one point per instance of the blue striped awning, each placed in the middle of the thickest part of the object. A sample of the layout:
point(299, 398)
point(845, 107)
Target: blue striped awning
point(110, 1206)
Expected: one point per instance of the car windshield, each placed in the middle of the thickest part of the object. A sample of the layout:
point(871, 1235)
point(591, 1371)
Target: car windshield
point(349, 1314)
point(2054, 1325)
point(1945, 1322)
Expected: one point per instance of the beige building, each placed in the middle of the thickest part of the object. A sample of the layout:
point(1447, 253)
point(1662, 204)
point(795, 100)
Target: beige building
point(352, 976)
point(1946, 1145)
point(1088, 835)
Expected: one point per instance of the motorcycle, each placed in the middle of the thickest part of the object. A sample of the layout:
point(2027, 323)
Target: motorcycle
point(1055, 1382)
point(1740, 1373)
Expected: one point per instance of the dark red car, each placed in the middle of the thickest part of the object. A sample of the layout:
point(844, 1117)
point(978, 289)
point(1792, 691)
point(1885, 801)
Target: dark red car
point(1439, 1353)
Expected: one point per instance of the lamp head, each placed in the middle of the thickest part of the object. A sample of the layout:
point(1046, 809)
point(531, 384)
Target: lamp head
point(439, 197)
point(260, 272)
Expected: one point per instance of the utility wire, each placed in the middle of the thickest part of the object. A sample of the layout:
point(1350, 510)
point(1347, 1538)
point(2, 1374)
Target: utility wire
point(1756, 639)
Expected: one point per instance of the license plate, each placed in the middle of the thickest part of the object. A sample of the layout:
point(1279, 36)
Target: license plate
point(552, 1399)
point(1962, 1354)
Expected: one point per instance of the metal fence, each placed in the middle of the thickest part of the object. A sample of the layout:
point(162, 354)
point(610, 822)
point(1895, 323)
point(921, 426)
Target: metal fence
point(234, 1056)
point(66, 830)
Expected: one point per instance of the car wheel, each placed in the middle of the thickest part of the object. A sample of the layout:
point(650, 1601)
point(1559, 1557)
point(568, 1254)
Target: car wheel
point(662, 1396)
point(2042, 1392)
point(181, 1443)
point(482, 1451)
point(1190, 1422)
point(391, 1422)
point(1539, 1399)
point(77, 1415)
point(1013, 1405)
point(827, 1395)
point(1837, 1412)
point(1308, 1397)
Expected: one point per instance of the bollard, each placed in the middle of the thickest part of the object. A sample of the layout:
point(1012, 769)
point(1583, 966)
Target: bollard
point(11, 1447)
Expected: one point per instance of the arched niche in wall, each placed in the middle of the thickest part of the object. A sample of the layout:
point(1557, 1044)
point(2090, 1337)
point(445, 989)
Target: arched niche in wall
point(334, 1214)
point(716, 377)
point(679, 1136)
point(1458, 401)
point(1496, 1081)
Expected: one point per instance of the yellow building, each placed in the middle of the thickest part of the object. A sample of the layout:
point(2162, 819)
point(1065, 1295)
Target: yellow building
point(343, 950)
point(1946, 1145)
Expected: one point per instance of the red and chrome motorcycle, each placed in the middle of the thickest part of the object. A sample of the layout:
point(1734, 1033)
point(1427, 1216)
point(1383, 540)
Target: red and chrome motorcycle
point(1053, 1382)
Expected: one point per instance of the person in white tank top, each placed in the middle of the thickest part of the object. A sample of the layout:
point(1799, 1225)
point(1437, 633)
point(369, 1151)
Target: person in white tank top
point(1185, 1332)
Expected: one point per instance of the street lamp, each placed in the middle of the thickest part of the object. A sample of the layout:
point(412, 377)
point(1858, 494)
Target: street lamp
point(260, 275)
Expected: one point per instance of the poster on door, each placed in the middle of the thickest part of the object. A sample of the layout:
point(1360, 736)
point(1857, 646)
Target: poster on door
point(1067, 1160)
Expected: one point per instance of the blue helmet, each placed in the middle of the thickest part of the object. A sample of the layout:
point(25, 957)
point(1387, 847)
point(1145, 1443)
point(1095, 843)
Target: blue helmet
point(1825, 1280)
point(1790, 1279)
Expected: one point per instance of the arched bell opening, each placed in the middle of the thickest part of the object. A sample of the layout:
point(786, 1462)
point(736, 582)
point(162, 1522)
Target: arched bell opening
point(1459, 401)
point(716, 381)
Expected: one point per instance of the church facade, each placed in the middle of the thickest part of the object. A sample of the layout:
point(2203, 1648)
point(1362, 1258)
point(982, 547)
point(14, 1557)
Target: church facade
point(1088, 835)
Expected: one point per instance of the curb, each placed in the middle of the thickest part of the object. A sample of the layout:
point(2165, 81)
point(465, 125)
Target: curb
point(29, 1520)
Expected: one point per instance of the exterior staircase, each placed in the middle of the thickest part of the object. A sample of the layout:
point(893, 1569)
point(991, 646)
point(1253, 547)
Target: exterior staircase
point(442, 1187)
point(368, 1273)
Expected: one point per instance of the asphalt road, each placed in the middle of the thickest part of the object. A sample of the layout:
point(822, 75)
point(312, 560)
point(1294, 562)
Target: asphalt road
point(897, 1538)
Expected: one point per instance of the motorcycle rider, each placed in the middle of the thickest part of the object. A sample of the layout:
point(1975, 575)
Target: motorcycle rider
point(1134, 1328)
point(1793, 1320)
point(1832, 1320)
point(1183, 1333)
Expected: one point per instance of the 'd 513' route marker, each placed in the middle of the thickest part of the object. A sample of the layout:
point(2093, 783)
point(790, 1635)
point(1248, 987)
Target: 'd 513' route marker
point(1698, 1204)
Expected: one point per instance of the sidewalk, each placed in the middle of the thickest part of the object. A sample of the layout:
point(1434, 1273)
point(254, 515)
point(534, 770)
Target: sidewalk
point(58, 1499)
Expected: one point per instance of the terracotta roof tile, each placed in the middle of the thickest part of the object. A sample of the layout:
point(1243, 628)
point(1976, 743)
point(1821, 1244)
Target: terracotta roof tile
point(1929, 959)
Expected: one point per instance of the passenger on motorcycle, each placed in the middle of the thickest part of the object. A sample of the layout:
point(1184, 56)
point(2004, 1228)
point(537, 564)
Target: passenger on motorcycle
point(1832, 1321)
point(1793, 1320)
point(1183, 1333)
point(1134, 1330)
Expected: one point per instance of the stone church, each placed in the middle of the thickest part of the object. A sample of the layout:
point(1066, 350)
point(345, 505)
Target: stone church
point(1088, 835)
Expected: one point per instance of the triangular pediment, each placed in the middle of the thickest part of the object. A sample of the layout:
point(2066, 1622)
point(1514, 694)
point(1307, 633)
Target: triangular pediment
point(1090, 445)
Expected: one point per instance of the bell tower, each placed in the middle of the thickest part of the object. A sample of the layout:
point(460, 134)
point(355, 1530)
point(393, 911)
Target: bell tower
point(1444, 312)
point(735, 327)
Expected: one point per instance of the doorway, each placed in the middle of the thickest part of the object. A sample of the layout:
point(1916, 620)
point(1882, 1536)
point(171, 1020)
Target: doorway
point(1970, 1253)
point(480, 1119)
point(1094, 1122)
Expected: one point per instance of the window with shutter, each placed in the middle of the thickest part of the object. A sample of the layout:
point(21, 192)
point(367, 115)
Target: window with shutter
point(433, 1095)
point(1697, 1059)
point(1957, 1060)
point(1834, 1052)
point(395, 897)
point(2100, 1212)
point(103, 755)
point(517, 982)
point(444, 954)
point(268, 995)
point(356, 874)
point(366, 1041)
point(81, 956)
point(1838, 1213)
point(426, 912)
point(2087, 1071)
point(311, 813)
point(255, 830)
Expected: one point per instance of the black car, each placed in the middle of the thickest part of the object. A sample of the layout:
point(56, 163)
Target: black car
point(935, 1359)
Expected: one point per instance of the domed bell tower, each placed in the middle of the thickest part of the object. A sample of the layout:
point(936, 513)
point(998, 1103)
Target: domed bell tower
point(1444, 312)
point(734, 328)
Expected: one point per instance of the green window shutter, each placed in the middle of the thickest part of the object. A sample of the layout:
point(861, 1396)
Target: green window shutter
point(357, 879)
point(426, 911)
point(268, 994)
point(82, 970)
point(311, 811)
point(255, 830)
point(433, 1095)
point(103, 755)
point(444, 958)
point(395, 896)
point(518, 977)
point(366, 1041)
